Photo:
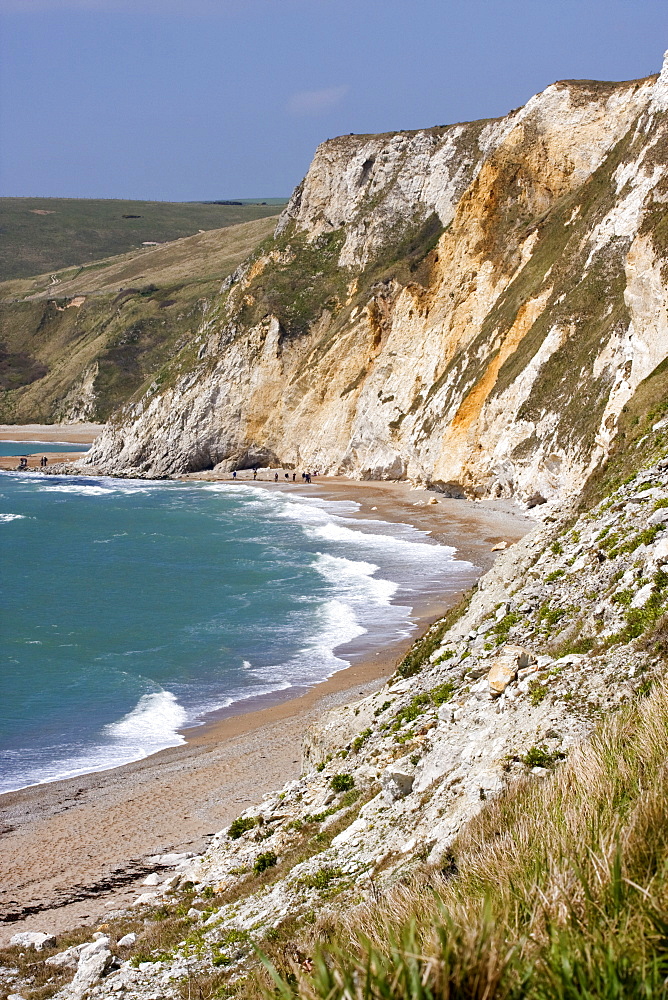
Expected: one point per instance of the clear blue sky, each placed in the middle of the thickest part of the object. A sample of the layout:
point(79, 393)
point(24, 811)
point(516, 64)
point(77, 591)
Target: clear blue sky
point(203, 99)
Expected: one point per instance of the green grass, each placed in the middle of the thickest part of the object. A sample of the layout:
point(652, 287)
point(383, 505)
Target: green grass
point(241, 825)
point(80, 230)
point(136, 322)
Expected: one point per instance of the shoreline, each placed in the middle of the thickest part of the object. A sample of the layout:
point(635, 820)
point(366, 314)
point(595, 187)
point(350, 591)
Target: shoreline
point(73, 847)
point(46, 434)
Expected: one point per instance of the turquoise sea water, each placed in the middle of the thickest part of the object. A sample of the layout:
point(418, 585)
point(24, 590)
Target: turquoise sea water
point(132, 609)
point(35, 447)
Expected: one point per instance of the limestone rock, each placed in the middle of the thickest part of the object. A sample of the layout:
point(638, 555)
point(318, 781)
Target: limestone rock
point(127, 940)
point(397, 779)
point(32, 939)
point(68, 959)
point(505, 667)
point(94, 959)
point(389, 411)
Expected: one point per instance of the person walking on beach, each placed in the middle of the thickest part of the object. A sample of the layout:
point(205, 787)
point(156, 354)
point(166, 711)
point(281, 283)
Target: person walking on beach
point(254, 474)
point(234, 474)
point(275, 477)
point(294, 476)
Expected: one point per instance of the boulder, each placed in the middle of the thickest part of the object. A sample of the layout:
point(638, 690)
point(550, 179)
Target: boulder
point(127, 940)
point(397, 779)
point(32, 939)
point(146, 898)
point(505, 667)
point(94, 960)
point(152, 879)
point(68, 959)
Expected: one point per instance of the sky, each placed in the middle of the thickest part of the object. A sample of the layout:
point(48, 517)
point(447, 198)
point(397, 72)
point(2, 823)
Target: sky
point(188, 100)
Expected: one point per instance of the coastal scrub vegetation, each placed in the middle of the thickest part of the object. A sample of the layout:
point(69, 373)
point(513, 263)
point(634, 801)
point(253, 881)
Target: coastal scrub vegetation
point(557, 890)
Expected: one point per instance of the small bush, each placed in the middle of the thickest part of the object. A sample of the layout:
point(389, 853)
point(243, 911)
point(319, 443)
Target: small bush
point(551, 577)
point(541, 757)
point(537, 692)
point(624, 597)
point(264, 861)
point(411, 711)
point(442, 693)
point(320, 879)
point(557, 548)
point(241, 825)
point(341, 782)
point(360, 740)
point(502, 628)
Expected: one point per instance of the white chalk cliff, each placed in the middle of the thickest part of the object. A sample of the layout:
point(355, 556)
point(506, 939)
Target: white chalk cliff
point(467, 306)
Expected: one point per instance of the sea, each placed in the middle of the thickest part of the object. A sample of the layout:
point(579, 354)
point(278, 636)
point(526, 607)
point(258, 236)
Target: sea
point(132, 610)
point(39, 447)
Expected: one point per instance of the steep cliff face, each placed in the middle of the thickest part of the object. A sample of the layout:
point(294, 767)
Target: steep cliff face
point(469, 306)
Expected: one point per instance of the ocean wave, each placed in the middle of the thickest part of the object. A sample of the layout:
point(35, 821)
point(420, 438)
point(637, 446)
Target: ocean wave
point(355, 578)
point(100, 485)
point(89, 491)
point(332, 532)
point(155, 719)
point(152, 725)
point(11, 517)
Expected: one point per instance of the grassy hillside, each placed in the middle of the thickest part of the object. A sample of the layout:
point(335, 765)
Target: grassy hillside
point(40, 234)
point(76, 343)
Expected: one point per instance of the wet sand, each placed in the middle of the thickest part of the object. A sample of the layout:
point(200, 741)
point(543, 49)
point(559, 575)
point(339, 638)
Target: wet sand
point(72, 849)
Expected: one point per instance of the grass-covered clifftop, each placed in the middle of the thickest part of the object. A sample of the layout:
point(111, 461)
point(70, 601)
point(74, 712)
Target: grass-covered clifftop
point(40, 234)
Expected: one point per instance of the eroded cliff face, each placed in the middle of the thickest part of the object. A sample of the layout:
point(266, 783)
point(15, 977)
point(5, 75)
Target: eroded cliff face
point(467, 306)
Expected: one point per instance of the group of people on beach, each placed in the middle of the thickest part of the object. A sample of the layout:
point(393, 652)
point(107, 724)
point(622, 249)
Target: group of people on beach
point(306, 476)
point(23, 463)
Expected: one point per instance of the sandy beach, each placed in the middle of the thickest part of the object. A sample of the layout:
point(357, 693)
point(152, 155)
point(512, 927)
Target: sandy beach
point(70, 433)
point(72, 850)
point(46, 433)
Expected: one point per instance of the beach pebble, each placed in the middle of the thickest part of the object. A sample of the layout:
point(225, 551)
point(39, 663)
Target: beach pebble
point(127, 940)
point(152, 879)
point(32, 939)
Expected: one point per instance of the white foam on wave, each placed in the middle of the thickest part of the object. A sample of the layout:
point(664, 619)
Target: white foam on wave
point(5, 518)
point(152, 725)
point(97, 485)
point(335, 624)
point(356, 578)
point(155, 718)
point(333, 532)
point(89, 491)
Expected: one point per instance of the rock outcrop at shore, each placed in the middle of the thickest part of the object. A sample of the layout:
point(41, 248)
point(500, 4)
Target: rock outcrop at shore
point(468, 306)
